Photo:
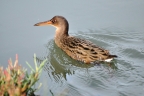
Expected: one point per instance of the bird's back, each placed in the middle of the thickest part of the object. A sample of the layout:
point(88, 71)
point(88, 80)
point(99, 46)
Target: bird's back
point(83, 50)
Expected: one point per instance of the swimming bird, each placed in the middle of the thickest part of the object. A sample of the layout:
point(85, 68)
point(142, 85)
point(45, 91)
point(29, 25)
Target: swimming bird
point(77, 48)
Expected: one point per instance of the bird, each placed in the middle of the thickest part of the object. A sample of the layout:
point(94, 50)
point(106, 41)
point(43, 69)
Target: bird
point(77, 48)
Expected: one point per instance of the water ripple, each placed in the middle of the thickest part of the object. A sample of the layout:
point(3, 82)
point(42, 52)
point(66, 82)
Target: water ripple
point(72, 78)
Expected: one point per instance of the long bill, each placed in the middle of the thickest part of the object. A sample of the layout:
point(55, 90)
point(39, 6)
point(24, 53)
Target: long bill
point(43, 23)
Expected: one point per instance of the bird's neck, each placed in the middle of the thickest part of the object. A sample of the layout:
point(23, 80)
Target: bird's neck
point(60, 31)
point(61, 34)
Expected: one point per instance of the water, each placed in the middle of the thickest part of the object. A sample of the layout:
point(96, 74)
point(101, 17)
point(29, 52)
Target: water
point(113, 25)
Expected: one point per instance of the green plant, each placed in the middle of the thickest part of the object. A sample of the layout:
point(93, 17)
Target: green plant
point(15, 80)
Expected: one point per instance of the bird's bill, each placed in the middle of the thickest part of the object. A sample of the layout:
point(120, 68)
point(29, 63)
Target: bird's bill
point(43, 23)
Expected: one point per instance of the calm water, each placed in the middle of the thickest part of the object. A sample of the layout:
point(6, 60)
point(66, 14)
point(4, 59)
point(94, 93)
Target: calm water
point(113, 25)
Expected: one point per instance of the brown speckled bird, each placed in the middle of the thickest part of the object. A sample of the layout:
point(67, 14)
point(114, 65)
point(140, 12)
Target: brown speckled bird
point(79, 49)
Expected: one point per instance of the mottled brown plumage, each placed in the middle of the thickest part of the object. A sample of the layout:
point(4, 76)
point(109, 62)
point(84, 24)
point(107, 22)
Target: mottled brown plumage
point(79, 49)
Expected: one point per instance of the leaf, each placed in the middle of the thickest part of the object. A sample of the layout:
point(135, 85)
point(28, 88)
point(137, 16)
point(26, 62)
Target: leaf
point(41, 65)
point(16, 61)
point(30, 66)
point(39, 86)
point(36, 66)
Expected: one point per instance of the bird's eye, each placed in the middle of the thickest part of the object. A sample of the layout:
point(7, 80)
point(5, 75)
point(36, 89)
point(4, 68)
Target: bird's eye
point(53, 21)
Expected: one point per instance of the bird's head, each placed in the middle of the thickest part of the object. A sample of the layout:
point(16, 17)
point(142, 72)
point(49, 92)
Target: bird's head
point(56, 21)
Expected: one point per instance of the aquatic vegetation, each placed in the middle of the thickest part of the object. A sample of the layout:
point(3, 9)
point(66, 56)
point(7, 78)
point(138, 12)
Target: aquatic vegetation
point(15, 80)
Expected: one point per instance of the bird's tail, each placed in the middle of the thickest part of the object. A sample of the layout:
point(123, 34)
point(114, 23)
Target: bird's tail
point(112, 56)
